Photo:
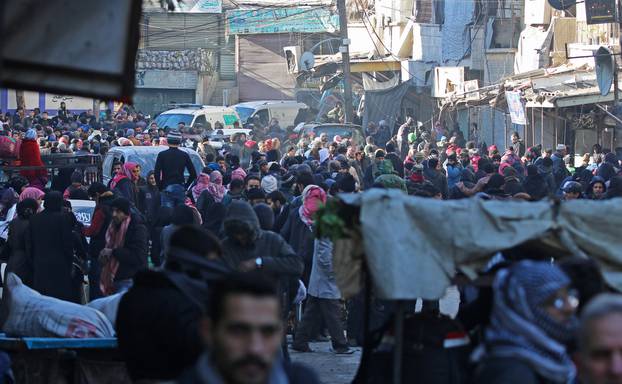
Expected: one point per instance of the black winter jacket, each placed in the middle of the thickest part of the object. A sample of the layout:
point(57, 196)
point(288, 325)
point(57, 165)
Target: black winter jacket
point(132, 256)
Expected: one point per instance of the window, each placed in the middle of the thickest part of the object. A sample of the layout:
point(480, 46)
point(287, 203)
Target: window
point(200, 120)
point(263, 116)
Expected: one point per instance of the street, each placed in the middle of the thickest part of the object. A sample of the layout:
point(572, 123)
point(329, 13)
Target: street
point(332, 369)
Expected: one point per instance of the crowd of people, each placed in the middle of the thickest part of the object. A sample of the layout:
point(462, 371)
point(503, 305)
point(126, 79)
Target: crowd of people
point(218, 259)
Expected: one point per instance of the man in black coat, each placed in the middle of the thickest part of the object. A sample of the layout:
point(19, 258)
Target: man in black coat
point(173, 300)
point(50, 250)
point(169, 171)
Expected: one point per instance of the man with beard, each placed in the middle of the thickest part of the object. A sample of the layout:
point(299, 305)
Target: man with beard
point(243, 333)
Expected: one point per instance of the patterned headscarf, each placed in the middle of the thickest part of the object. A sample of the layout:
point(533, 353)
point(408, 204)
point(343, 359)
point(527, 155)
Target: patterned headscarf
point(312, 197)
point(125, 172)
point(238, 173)
point(31, 193)
point(202, 184)
point(215, 188)
point(520, 327)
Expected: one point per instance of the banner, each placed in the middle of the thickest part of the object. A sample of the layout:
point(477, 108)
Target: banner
point(516, 108)
point(83, 210)
point(281, 20)
point(200, 6)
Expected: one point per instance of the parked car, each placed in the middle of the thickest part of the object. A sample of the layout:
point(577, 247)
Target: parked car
point(195, 116)
point(145, 157)
point(345, 131)
point(285, 111)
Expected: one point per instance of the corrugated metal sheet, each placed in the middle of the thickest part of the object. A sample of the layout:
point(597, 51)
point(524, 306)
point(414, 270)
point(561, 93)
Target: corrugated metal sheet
point(182, 31)
point(262, 67)
point(227, 67)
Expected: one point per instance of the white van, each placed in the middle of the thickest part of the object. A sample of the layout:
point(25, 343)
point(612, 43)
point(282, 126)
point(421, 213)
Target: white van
point(193, 114)
point(283, 110)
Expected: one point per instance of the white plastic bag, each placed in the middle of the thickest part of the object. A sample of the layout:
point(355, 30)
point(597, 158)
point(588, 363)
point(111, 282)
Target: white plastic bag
point(25, 312)
point(108, 306)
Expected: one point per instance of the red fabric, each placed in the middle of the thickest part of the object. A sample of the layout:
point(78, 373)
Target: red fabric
point(417, 177)
point(115, 238)
point(124, 173)
point(250, 144)
point(30, 155)
point(96, 224)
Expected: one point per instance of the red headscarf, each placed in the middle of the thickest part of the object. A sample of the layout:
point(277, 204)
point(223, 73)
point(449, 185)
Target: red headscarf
point(312, 198)
point(126, 172)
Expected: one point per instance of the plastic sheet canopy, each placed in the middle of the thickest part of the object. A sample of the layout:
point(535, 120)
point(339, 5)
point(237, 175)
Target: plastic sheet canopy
point(414, 246)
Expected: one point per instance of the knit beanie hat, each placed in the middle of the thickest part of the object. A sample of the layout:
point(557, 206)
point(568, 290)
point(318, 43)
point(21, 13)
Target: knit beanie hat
point(174, 138)
point(269, 184)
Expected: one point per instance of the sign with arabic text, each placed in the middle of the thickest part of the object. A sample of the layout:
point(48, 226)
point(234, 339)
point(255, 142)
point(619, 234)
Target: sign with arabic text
point(281, 20)
point(516, 107)
point(200, 6)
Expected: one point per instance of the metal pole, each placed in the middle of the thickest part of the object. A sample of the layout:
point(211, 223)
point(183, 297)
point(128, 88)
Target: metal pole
point(399, 341)
point(505, 131)
point(542, 127)
point(616, 100)
point(345, 59)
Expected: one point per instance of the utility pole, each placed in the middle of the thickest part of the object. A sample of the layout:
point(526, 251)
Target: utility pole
point(345, 59)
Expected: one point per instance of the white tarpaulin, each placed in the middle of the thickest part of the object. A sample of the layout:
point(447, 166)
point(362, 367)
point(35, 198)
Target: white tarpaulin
point(414, 246)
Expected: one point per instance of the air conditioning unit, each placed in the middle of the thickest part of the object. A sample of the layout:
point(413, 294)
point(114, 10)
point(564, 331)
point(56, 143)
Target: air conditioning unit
point(447, 80)
point(292, 56)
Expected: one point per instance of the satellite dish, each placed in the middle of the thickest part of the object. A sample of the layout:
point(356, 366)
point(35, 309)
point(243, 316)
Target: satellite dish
point(561, 5)
point(307, 61)
point(605, 65)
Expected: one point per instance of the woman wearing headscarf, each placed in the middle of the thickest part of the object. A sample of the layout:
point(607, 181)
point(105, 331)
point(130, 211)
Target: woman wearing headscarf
point(125, 183)
point(298, 229)
point(30, 156)
point(203, 181)
point(32, 193)
point(215, 187)
point(50, 250)
point(533, 317)
point(16, 242)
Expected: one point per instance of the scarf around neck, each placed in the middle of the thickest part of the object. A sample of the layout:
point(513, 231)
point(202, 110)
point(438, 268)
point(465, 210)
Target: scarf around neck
point(515, 332)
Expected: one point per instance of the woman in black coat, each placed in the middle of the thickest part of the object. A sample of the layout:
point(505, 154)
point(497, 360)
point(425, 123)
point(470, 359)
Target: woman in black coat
point(18, 233)
point(50, 250)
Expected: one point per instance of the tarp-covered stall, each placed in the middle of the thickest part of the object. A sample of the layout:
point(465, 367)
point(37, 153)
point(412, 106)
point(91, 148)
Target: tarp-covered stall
point(413, 246)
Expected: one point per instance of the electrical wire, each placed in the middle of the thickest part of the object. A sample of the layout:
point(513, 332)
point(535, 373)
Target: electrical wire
point(366, 16)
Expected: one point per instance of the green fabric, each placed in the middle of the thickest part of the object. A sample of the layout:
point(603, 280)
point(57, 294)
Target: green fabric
point(384, 167)
point(392, 181)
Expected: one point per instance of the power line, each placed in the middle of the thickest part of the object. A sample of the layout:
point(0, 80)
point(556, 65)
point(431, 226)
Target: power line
point(381, 42)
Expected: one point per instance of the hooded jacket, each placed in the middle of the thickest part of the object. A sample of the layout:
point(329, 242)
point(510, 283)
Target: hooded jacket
point(438, 179)
point(278, 258)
